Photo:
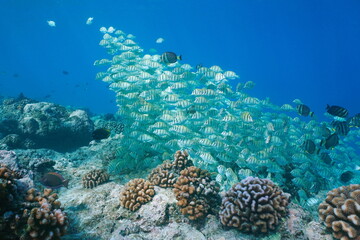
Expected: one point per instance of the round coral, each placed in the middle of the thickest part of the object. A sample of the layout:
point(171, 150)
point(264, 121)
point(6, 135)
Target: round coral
point(136, 193)
point(253, 205)
point(196, 192)
point(94, 178)
point(341, 212)
point(163, 175)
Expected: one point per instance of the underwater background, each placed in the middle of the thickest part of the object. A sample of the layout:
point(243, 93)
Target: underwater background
point(179, 120)
point(290, 49)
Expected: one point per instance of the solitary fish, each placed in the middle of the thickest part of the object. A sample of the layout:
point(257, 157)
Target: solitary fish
point(169, 57)
point(337, 111)
point(342, 128)
point(309, 146)
point(326, 158)
point(304, 110)
point(101, 133)
point(54, 180)
point(331, 141)
point(346, 176)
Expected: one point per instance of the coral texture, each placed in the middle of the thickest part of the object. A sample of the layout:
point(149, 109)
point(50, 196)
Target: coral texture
point(196, 192)
point(341, 212)
point(46, 221)
point(163, 175)
point(7, 187)
point(254, 205)
point(181, 160)
point(95, 178)
point(136, 193)
point(166, 174)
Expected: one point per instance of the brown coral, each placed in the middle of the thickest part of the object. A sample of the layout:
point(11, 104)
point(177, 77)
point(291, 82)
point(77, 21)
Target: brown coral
point(181, 160)
point(166, 174)
point(163, 175)
point(94, 178)
point(254, 205)
point(195, 192)
point(341, 212)
point(136, 193)
point(47, 220)
point(7, 187)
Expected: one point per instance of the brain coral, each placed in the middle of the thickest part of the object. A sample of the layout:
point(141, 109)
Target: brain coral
point(94, 178)
point(196, 192)
point(253, 205)
point(341, 212)
point(136, 193)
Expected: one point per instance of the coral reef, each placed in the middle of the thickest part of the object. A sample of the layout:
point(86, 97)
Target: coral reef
point(8, 189)
point(341, 212)
point(136, 193)
point(196, 192)
point(95, 178)
point(166, 174)
point(163, 175)
point(43, 125)
point(47, 221)
point(254, 205)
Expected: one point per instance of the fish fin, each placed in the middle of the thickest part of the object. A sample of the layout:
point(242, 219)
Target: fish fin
point(179, 57)
point(66, 183)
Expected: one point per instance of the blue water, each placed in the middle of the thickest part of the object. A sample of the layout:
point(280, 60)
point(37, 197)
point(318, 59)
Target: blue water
point(291, 49)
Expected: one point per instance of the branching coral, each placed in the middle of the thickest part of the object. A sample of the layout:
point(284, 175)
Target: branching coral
point(136, 193)
point(94, 178)
point(341, 212)
point(196, 192)
point(254, 205)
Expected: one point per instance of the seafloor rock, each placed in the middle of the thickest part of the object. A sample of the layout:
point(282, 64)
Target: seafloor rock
point(44, 125)
point(95, 214)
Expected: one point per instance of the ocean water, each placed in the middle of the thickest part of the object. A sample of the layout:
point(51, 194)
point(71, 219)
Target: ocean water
point(307, 50)
point(290, 49)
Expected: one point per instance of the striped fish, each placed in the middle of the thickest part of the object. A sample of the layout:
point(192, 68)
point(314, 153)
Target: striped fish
point(341, 128)
point(169, 57)
point(304, 110)
point(337, 111)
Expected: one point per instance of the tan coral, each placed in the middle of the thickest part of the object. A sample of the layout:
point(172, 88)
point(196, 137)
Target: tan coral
point(254, 205)
point(181, 160)
point(95, 178)
point(341, 212)
point(47, 220)
point(195, 192)
point(166, 174)
point(136, 193)
point(163, 175)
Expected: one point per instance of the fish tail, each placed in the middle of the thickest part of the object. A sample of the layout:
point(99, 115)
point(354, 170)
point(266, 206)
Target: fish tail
point(327, 106)
point(317, 151)
point(311, 114)
point(179, 57)
point(66, 183)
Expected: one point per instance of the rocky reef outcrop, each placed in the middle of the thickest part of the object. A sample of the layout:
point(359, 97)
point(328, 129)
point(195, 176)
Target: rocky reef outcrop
point(28, 124)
